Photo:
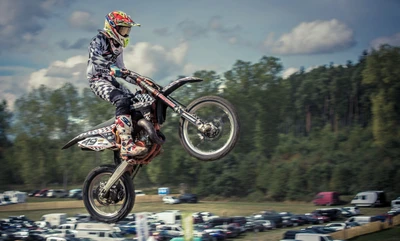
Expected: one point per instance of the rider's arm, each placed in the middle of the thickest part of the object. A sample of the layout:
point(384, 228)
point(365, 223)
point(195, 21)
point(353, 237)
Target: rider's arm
point(96, 49)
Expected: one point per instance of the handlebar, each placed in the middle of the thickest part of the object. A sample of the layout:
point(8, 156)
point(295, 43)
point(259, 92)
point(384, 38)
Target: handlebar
point(144, 79)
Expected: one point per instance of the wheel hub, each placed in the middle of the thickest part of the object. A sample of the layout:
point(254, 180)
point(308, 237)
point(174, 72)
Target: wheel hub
point(113, 196)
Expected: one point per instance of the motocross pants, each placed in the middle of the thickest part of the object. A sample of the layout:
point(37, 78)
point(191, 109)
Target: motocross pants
point(108, 88)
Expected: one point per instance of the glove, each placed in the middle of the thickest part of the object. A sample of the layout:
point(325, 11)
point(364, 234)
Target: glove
point(117, 72)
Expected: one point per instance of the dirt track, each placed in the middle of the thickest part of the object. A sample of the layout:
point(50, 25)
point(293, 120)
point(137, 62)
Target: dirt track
point(64, 204)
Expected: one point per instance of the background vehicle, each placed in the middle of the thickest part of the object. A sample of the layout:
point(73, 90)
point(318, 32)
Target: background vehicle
point(169, 217)
point(331, 213)
point(54, 193)
point(349, 211)
point(362, 219)
point(170, 200)
point(313, 237)
point(42, 193)
point(327, 198)
point(395, 204)
point(73, 193)
point(370, 199)
point(337, 226)
point(55, 219)
point(98, 231)
point(188, 198)
point(139, 193)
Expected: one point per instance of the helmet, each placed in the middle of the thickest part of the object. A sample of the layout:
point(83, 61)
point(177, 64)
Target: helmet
point(118, 25)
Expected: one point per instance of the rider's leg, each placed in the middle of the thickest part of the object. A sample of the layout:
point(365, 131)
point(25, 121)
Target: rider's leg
point(123, 123)
point(113, 92)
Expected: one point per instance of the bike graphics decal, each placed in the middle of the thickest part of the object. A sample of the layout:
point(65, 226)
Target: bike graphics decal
point(126, 121)
point(95, 143)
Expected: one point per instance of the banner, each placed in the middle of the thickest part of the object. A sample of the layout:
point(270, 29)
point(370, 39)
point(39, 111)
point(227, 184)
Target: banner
point(187, 226)
point(142, 230)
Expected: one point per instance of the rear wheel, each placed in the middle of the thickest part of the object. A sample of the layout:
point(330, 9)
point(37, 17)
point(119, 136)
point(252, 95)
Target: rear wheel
point(218, 114)
point(115, 204)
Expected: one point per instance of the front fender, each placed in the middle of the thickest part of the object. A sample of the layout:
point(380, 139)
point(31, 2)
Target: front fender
point(178, 83)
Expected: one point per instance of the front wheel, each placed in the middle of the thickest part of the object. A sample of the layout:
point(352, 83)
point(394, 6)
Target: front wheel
point(216, 143)
point(115, 204)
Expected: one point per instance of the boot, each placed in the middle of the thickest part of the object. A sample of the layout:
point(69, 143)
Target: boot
point(128, 148)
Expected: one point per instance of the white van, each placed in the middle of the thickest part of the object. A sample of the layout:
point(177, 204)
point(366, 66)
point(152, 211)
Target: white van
point(98, 231)
point(395, 204)
point(313, 237)
point(55, 219)
point(362, 219)
point(369, 199)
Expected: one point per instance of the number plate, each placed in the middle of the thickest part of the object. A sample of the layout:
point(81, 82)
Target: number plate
point(95, 143)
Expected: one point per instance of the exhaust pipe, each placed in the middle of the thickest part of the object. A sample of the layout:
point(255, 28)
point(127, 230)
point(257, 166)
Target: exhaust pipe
point(149, 128)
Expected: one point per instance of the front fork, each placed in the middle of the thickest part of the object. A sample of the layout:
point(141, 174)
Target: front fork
point(123, 166)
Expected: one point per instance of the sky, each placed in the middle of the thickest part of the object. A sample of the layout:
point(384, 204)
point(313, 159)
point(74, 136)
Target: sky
point(45, 41)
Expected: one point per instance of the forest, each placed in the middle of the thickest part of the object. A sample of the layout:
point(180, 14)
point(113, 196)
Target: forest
point(333, 128)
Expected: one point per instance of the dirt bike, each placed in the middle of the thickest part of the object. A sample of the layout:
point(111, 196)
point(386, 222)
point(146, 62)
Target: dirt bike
point(208, 130)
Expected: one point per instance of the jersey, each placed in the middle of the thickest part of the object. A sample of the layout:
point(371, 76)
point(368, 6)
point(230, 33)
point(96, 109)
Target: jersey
point(102, 55)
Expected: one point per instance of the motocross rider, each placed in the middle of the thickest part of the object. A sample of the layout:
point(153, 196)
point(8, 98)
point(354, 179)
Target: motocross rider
point(104, 64)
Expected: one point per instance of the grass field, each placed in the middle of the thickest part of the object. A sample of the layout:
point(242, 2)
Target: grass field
point(220, 208)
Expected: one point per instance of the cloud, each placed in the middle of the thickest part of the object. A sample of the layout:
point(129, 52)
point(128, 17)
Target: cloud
point(214, 27)
point(315, 37)
point(393, 40)
point(289, 71)
point(81, 43)
point(156, 61)
point(22, 21)
point(83, 20)
point(72, 70)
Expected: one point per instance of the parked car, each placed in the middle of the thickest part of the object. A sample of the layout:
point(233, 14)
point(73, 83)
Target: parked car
point(139, 193)
point(188, 198)
point(332, 213)
point(54, 193)
point(231, 231)
point(349, 211)
point(205, 216)
point(307, 219)
point(291, 234)
point(170, 200)
point(337, 226)
point(319, 229)
point(32, 193)
point(352, 224)
point(254, 226)
point(362, 219)
point(128, 228)
point(42, 193)
point(268, 224)
point(395, 203)
point(73, 193)
point(276, 218)
point(321, 219)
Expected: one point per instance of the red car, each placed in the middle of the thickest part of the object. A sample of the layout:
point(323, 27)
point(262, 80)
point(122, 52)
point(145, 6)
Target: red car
point(42, 193)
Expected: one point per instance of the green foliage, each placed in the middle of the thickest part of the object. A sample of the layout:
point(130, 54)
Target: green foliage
point(334, 128)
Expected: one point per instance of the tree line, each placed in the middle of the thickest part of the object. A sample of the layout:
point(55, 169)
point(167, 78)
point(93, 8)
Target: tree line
point(335, 127)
